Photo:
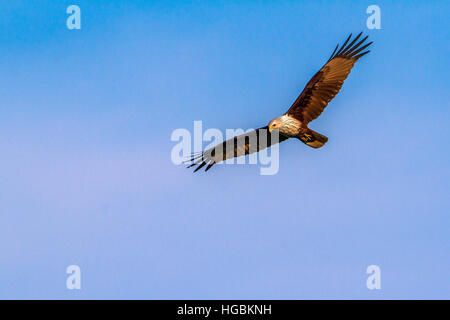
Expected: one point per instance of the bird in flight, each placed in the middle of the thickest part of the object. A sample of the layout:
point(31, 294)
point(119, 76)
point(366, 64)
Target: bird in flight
point(319, 91)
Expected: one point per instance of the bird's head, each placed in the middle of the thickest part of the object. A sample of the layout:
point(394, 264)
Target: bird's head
point(275, 124)
point(286, 125)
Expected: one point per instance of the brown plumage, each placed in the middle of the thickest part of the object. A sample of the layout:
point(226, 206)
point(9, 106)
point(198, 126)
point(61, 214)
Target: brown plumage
point(327, 82)
point(319, 91)
point(241, 145)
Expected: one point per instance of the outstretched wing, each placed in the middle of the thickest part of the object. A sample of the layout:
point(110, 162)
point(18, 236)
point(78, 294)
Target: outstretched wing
point(327, 82)
point(244, 144)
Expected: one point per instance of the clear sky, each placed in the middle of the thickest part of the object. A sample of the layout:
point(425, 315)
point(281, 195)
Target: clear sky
point(86, 176)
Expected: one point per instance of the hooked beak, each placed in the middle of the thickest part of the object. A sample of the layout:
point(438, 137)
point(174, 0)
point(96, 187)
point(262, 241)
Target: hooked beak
point(270, 129)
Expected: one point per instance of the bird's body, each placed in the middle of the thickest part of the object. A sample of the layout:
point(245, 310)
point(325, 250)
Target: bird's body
point(316, 95)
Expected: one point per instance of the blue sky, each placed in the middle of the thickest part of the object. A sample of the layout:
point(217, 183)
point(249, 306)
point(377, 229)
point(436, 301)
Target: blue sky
point(85, 123)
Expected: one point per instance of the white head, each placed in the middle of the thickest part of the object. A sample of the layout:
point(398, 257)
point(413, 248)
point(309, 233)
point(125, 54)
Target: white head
point(286, 125)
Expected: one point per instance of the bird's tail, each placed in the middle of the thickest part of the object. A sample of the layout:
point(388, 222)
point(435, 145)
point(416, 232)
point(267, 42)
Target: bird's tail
point(313, 139)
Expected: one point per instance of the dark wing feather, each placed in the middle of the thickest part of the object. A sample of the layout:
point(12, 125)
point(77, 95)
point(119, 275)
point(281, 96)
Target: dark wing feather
point(241, 145)
point(327, 82)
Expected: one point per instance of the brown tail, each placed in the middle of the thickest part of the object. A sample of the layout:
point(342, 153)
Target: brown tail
point(313, 139)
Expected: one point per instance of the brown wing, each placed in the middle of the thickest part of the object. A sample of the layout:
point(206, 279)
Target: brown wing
point(327, 82)
point(241, 145)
